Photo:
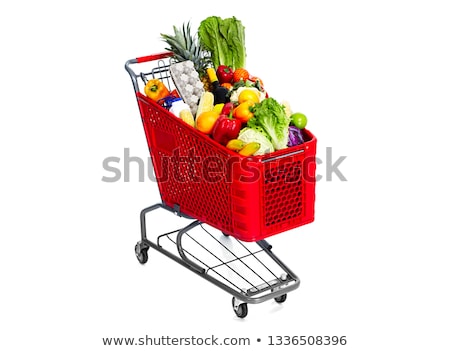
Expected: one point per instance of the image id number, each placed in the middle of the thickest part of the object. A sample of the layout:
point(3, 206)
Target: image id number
point(277, 340)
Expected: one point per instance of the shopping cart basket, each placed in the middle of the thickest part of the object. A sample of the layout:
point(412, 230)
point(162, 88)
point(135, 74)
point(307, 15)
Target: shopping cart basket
point(244, 199)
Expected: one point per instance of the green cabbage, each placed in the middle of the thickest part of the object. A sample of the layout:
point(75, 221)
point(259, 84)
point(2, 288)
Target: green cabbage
point(248, 135)
point(225, 40)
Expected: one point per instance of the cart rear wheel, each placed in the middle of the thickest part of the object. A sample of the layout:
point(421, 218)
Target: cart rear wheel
point(241, 310)
point(281, 298)
point(142, 256)
point(141, 253)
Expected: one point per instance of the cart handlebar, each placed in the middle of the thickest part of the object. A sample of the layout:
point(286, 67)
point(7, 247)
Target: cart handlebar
point(142, 59)
point(154, 57)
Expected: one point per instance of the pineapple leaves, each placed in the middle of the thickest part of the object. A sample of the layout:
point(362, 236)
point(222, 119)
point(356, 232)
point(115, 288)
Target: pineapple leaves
point(186, 46)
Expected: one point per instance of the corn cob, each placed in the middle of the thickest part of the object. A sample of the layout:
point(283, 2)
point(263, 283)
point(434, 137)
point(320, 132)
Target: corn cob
point(187, 117)
point(206, 103)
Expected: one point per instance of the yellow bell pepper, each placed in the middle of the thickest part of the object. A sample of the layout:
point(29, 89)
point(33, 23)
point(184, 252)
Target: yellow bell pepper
point(243, 111)
point(156, 90)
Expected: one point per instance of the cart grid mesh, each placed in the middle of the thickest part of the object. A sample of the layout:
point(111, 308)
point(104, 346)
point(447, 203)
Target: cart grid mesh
point(230, 267)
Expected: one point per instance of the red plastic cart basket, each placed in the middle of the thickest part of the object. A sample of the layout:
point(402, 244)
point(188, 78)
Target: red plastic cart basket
point(250, 198)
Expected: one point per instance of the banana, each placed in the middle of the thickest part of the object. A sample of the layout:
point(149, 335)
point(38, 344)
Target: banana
point(235, 144)
point(250, 148)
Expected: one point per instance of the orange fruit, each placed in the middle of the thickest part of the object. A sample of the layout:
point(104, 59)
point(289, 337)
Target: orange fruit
point(206, 120)
point(248, 95)
point(240, 73)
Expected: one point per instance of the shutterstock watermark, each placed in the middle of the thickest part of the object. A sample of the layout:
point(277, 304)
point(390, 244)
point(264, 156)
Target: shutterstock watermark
point(187, 167)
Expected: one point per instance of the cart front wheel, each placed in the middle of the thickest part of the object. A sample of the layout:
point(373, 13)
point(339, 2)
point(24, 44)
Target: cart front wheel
point(241, 309)
point(281, 298)
point(141, 253)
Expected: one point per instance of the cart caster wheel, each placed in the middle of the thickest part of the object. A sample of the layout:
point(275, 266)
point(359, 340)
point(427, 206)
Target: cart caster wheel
point(281, 298)
point(225, 234)
point(141, 254)
point(241, 309)
point(142, 257)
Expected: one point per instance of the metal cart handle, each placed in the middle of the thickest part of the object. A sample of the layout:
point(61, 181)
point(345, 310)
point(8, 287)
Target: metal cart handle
point(270, 159)
point(142, 59)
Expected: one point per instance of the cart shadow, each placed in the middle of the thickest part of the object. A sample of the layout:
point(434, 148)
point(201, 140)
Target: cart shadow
point(276, 307)
point(237, 319)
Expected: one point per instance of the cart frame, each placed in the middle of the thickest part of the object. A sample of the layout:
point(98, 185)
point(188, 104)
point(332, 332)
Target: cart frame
point(276, 288)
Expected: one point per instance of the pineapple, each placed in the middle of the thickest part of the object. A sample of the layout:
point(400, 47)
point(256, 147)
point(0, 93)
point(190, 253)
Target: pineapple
point(185, 46)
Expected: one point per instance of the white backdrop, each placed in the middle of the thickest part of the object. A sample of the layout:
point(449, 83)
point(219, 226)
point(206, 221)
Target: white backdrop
point(373, 78)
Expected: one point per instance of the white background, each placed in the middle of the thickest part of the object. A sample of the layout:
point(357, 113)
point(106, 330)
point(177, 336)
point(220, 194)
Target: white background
point(373, 78)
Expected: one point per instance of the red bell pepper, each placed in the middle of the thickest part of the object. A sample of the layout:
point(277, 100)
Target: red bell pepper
point(225, 74)
point(226, 128)
point(227, 108)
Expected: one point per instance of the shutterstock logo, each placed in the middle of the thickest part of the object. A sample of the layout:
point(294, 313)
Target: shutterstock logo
point(189, 167)
point(331, 167)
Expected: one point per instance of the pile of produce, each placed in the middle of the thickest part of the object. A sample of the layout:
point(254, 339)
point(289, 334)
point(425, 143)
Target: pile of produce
point(233, 107)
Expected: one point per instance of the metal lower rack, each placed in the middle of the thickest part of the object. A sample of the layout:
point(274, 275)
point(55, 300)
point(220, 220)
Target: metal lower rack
point(249, 271)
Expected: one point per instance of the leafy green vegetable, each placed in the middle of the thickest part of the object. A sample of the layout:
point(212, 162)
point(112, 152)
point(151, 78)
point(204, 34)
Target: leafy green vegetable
point(225, 39)
point(234, 32)
point(270, 116)
point(211, 39)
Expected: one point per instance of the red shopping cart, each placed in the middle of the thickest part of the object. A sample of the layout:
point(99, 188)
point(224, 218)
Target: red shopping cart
point(232, 200)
